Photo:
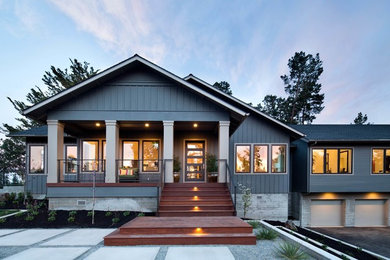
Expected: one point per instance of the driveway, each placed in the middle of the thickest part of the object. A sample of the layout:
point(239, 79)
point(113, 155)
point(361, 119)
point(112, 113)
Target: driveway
point(375, 239)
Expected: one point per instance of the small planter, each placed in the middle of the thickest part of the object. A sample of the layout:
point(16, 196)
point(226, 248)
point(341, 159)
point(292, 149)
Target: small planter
point(176, 177)
point(212, 177)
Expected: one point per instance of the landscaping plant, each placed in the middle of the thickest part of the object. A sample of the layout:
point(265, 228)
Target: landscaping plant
point(126, 213)
point(254, 224)
point(266, 234)
point(246, 197)
point(72, 216)
point(141, 214)
point(108, 213)
point(290, 251)
point(52, 216)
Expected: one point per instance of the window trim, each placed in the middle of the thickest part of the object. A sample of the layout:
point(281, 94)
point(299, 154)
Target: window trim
point(250, 157)
point(268, 156)
point(384, 158)
point(44, 159)
point(338, 160)
point(285, 159)
point(101, 167)
point(158, 155)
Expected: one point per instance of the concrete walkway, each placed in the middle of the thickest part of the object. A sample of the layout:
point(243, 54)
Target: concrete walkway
point(64, 244)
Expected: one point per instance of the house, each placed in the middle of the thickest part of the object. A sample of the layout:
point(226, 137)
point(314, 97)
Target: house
point(129, 128)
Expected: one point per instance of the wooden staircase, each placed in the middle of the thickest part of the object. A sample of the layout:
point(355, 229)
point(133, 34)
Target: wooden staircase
point(189, 214)
point(209, 199)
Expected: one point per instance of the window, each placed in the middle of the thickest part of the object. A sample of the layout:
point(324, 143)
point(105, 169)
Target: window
point(380, 161)
point(37, 159)
point(90, 156)
point(278, 158)
point(150, 152)
point(260, 158)
point(130, 154)
point(331, 161)
point(243, 161)
point(71, 159)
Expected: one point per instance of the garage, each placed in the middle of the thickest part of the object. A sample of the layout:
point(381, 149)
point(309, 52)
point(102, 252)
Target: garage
point(369, 213)
point(326, 213)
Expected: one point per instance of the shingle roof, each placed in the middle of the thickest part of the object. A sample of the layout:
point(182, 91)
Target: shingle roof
point(345, 132)
point(40, 131)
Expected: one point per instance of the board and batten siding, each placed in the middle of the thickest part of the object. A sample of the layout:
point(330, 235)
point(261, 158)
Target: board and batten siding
point(140, 95)
point(361, 179)
point(299, 157)
point(256, 131)
point(36, 183)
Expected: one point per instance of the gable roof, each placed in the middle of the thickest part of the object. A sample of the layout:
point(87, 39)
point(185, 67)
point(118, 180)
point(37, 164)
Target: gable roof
point(344, 132)
point(38, 111)
point(241, 104)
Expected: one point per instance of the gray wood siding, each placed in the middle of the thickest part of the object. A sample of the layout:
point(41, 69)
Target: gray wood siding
point(101, 192)
point(299, 157)
point(139, 96)
point(36, 183)
point(361, 180)
point(255, 130)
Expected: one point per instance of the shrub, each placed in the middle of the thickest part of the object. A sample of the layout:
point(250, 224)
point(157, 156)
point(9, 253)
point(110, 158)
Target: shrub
point(10, 197)
point(290, 251)
point(29, 197)
point(126, 213)
point(141, 214)
point(19, 214)
point(20, 197)
point(115, 220)
point(72, 213)
point(246, 197)
point(254, 224)
point(2, 220)
point(2, 204)
point(29, 217)
point(108, 213)
point(71, 219)
point(15, 202)
point(266, 234)
point(52, 216)
point(90, 213)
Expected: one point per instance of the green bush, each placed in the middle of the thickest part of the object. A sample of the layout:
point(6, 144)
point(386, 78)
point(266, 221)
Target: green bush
point(29, 217)
point(2, 220)
point(72, 213)
point(90, 213)
point(141, 214)
point(20, 197)
point(2, 204)
point(10, 197)
point(290, 251)
point(71, 219)
point(19, 214)
point(254, 224)
point(108, 214)
point(266, 234)
point(115, 220)
point(126, 213)
point(52, 216)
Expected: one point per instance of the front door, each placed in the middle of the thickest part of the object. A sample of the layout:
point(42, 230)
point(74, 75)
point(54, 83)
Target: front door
point(194, 161)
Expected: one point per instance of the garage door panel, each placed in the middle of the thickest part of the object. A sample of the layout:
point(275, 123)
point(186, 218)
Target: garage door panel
point(326, 213)
point(369, 213)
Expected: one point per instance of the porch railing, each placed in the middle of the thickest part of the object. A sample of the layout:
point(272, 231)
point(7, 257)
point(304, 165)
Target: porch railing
point(139, 171)
point(81, 170)
point(232, 186)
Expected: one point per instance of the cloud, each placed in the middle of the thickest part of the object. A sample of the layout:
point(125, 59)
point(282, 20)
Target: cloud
point(119, 25)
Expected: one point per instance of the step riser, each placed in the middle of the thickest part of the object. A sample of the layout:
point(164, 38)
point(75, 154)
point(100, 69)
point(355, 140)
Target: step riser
point(161, 231)
point(198, 203)
point(191, 207)
point(192, 189)
point(199, 185)
point(194, 214)
point(195, 193)
point(180, 241)
point(191, 198)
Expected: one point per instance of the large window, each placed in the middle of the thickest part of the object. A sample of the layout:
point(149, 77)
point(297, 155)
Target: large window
point(90, 156)
point(331, 161)
point(278, 158)
point(380, 160)
point(71, 159)
point(150, 152)
point(37, 159)
point(243, 161)
point(130, 154)
point(260, 158)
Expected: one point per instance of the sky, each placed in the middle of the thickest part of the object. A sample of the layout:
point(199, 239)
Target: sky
point(246, 43)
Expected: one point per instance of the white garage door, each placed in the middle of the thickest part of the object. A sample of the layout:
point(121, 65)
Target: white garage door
point(326, 213)
point(369, 213)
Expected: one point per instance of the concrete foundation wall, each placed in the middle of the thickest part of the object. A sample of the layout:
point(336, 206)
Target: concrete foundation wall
point(107, 204)
point(10, 189)
point(348, 200)
point(265, 206)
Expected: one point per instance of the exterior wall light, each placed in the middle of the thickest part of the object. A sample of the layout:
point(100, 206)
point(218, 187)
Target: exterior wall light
point(146, 124)
point(195, 125)
point(97, 124)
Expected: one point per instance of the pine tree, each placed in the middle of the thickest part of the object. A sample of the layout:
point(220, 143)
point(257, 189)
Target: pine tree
point(223, 86)
point(360, 119)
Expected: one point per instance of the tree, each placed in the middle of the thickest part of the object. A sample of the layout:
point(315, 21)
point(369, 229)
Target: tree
point(304, 100)
point(360, 119)
point(303, 88)
point(12, 150)
point(223, 86)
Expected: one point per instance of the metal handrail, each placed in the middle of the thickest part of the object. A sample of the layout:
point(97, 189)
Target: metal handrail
point(232, 186)
point(80, 170)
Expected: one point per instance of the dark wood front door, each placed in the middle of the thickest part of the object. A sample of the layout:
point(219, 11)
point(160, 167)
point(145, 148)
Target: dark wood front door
point(194, 161)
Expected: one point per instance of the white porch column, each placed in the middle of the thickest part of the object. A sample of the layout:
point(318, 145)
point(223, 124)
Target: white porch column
point(55, 150)
point(112, 139)
point(168, 150)
point(223, 149)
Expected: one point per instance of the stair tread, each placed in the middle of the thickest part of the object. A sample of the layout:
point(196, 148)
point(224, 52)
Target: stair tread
point(191, 235)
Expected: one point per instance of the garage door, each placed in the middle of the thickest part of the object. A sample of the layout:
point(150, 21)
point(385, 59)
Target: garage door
point(369, 213)
point(326, 213)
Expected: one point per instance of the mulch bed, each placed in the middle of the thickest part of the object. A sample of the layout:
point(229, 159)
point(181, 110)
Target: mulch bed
point(329, 242)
